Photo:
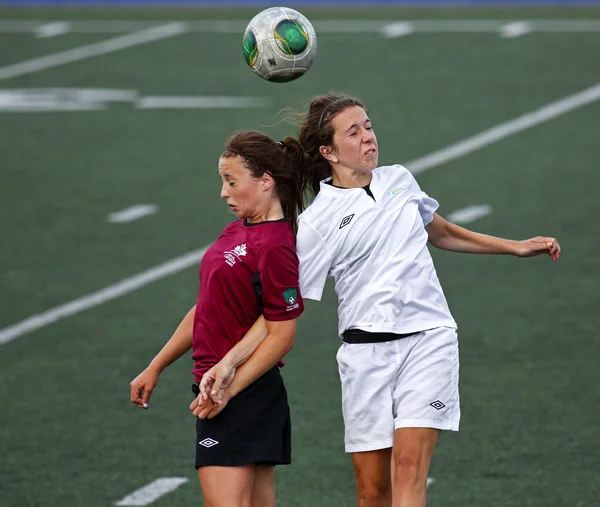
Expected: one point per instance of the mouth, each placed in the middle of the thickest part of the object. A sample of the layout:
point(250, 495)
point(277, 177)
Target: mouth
point(370, 152)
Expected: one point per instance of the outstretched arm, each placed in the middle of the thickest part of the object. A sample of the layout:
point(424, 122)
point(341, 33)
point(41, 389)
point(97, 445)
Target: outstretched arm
point(448, 236)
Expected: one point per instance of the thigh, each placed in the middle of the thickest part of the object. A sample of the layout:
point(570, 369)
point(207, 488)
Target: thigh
point(412, 453)
point(263, 490)
point(367, 374)
point(426, 390)
point(372, 470)
point(226, 486)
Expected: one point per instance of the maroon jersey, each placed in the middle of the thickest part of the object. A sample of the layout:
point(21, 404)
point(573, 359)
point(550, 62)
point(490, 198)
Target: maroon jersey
point(252, 269)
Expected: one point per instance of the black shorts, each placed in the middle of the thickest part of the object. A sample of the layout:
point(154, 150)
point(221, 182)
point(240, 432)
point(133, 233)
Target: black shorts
point(254, 427)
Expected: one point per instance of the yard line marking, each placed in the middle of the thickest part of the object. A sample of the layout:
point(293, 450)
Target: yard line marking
point(399, 29)
point(61, 99)
point(322, 26)
point(416, 166)
point(159, 102)
point(98, 48)
point(469, 214)
point(153, 491)
point(102, 296)
point(516, 29)
point(132, 213)
point(508, 128)
point(52, 29)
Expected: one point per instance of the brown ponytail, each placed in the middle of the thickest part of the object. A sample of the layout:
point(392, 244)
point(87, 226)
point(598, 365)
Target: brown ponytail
point(283, 160)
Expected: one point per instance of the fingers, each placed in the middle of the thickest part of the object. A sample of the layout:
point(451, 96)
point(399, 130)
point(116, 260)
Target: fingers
point(206, 384)
point(214, 412)
point(146, 396)
point(553, 247)
point(214, 394)
point(136, 394)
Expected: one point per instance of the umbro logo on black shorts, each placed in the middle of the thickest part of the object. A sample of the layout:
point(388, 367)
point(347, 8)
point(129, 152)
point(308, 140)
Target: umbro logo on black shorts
point(346, 220)
point(437, 404)
point(208, 442)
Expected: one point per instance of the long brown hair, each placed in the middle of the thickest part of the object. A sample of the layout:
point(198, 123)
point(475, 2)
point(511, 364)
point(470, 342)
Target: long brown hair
point(316, 131)
point(284, 160)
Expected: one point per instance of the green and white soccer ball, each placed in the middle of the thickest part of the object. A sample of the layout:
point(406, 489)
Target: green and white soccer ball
point(280, 44)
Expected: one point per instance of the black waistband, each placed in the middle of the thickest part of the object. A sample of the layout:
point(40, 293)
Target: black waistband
point(360, 336)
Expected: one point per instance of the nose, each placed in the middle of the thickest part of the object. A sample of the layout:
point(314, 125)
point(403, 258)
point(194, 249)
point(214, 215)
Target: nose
point(224, 193)
point(368, 136)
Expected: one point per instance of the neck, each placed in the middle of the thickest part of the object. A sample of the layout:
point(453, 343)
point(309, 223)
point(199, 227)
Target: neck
point(271, 212)
point(349, 178)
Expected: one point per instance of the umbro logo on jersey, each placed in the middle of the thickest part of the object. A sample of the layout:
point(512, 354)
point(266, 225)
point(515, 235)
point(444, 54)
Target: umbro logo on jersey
point(208, 442)
point(346, 220)
point(437, 404)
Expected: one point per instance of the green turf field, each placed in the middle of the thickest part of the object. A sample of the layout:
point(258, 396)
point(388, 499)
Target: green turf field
point(528, 328)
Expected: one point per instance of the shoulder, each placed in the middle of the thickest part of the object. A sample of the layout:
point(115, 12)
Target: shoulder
point(320, 202)
point(394, 169)
point(275, 235)
point(232, 227)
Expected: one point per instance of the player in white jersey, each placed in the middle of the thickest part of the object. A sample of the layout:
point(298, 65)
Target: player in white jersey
point(368, 228)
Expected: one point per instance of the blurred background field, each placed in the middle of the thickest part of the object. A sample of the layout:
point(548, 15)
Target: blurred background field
point(145, 135)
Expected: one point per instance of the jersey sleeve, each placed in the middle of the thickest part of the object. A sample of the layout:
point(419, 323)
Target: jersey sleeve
point(278, 269)
point(315, 261)
point(427, 205)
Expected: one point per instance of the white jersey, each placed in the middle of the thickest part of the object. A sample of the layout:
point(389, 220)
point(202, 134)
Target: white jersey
point(376, 251)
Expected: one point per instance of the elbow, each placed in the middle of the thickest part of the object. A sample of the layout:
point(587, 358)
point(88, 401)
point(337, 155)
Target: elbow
point(290, 344)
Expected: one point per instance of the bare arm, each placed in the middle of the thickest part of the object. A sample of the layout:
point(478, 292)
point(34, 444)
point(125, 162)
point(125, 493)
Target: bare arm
point(242, 350)
point(180, 342)
point(448, 236)
point(277, 343)
point(219, 377)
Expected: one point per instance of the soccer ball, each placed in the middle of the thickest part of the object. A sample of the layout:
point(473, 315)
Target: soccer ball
point(280, 44)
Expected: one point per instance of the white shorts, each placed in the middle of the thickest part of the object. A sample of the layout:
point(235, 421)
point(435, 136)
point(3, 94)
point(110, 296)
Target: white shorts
point(411, 382)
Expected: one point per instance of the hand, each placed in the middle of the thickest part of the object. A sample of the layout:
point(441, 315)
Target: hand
point(207, 409)
point(216, 380)
point(141, 387)
point(537, 246)
point(202, 408)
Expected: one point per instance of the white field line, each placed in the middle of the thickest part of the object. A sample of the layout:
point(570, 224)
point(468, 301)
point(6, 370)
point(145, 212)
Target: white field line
point(153, 491)
point(321, 26)
point(437, 158)
point(399, 29)
point(159, 102)
point(469, 214)
point(52, 29)
point(516, 29)
point(505, 129)
point(132, 213)
point(102, 296)
point(99, 48)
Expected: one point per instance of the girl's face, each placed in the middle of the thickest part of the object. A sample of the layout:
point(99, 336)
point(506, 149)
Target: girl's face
point(354, 142)
point(244, 194)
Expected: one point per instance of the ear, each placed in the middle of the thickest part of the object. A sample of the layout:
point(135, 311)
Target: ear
point(267, 181)
point(327, 153)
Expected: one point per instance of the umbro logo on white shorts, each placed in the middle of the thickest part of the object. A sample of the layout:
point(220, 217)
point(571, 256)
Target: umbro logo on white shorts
point(208, 442)
point(437, 404)
point(346, 220)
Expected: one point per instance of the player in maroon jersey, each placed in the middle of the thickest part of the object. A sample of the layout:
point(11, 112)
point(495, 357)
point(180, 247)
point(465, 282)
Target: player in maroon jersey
point(249, 276)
